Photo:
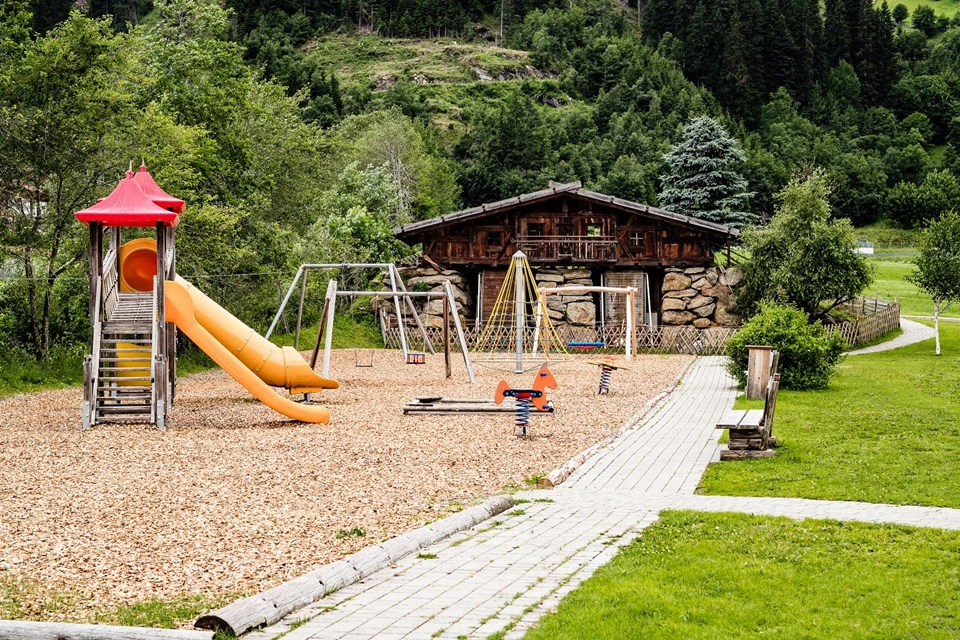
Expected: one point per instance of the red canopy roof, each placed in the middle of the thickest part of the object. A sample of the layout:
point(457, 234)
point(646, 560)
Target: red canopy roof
point(128, 206)
point(153, 191)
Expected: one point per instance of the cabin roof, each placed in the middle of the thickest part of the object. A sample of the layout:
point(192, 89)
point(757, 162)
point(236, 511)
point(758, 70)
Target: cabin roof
point(555, 190)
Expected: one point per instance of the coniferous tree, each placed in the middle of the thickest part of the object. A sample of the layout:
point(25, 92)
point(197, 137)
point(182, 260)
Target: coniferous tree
point(836, 32)
point(878, 69)
point(702, 180)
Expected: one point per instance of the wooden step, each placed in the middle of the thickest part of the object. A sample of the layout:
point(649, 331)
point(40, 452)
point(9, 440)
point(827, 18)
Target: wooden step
point(143, 350)
point(124, 408)
point(147, 358)
point(133, 398)
point(143, 341)
point(125, 378)
point(137, 369)
point(123, 417)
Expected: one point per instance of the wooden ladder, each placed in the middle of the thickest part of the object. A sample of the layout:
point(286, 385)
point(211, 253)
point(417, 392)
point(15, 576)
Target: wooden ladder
point(125, 375)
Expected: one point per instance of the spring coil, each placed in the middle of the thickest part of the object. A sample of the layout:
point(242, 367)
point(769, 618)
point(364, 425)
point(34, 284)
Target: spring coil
point(605, 372)
point(522, 416)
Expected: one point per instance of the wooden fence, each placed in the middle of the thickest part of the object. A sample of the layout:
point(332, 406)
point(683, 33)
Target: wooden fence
point(685, 340)
point(874, 317)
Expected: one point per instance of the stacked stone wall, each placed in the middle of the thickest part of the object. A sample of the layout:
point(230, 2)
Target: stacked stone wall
point(577, 309)
point(427, 278)
point(699, 296)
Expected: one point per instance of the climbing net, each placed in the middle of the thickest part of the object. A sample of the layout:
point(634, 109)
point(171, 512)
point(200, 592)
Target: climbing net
point(518, 335)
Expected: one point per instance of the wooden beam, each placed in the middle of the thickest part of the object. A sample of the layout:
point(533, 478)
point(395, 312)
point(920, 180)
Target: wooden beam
point(303, 292)
point(446, 337)
point(24, 630)
point(323, 321)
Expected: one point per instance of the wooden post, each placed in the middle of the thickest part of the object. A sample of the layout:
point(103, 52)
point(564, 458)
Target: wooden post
point(96, 265)
point(171, 328)
point(460, 335)
point(396, 306)
point(303, 292)
point(159, 332)
point(115, 241)
point(428, 346)
point(323, 320)
point(446, 337)
point(328, 343)
point(758, 370)
point(630, 306)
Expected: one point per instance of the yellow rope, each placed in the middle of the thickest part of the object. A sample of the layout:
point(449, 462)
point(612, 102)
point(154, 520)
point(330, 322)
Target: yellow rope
point(497, 340)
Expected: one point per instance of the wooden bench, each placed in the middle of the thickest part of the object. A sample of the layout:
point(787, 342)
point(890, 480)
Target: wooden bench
point(751, 430)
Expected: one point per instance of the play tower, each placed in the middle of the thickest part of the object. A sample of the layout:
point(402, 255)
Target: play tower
point(136, 300)
point(130, 373)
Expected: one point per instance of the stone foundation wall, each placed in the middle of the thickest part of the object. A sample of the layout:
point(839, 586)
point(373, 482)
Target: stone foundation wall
point(699, 296)
point(426, 278)
point(575, 309)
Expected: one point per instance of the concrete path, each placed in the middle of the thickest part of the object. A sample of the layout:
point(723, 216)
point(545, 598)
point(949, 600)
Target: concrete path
point(504, 574)
point(912, 332)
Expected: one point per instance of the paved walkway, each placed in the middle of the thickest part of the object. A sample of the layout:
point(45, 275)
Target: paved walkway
point(912, 332)
point(505, 573)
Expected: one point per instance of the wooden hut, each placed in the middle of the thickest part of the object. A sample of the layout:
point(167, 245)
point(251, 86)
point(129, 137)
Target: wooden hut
point(572, 235)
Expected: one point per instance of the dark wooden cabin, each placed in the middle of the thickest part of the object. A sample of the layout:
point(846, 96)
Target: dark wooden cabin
point(566, 225)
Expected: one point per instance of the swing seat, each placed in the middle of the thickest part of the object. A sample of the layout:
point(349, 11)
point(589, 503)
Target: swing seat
point(586, 345)
point(416, 358)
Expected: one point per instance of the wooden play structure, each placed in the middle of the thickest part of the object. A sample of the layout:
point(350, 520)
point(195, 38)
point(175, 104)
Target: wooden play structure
point(526, 398)
point(519, 328)
point(137, 300)
point(630, 295)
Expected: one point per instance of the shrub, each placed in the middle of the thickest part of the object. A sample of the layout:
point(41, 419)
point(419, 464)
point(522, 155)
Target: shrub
point(808, 354)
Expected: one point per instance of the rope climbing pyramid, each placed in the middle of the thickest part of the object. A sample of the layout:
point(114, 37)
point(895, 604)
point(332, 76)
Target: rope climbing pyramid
point(518, 335)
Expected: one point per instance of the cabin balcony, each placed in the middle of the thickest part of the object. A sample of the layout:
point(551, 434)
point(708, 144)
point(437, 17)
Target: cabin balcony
point(568, 248)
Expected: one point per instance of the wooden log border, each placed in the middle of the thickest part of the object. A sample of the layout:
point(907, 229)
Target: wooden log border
point(24, 630)
point(272, 605)
point(563, 472)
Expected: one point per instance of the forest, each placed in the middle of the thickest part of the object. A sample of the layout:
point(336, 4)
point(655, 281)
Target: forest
point(306, 130)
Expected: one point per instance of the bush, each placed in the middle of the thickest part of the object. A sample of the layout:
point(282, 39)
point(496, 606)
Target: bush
point(808, 354)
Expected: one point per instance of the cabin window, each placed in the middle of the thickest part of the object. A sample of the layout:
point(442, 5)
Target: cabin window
point(535, 229)
point(594, 230)
point(636, 239)
point(494, 239)
point(566, 228)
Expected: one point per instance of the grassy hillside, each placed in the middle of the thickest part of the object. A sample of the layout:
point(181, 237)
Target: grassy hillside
point(382, 62)
point(942, 7)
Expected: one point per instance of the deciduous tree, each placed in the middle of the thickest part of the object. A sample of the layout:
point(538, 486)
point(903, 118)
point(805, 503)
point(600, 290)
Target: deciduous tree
point(938, 265)
point(803, 258)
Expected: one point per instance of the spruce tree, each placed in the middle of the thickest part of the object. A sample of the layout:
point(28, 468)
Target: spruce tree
point(702, 180)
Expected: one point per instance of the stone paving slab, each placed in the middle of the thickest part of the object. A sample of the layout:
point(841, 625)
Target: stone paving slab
point(504, 574)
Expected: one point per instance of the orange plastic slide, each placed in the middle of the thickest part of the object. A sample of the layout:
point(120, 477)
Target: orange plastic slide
point(250, 359)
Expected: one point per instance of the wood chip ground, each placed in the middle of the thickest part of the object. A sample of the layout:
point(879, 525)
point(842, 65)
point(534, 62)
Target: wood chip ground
point(233, 499)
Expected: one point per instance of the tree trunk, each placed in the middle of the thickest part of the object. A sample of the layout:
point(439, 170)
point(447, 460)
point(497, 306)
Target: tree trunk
point(32, 302)
point(936, 324)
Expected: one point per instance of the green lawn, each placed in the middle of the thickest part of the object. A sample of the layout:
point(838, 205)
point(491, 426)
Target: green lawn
point(887, 430)
point(942, 7)
point(699, 575)
point(890, 284)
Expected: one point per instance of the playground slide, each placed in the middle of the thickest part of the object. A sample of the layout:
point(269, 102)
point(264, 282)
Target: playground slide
point(182, 312)
point(252, 360)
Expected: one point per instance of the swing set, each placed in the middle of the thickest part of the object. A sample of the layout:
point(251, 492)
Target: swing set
point(397, 292)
